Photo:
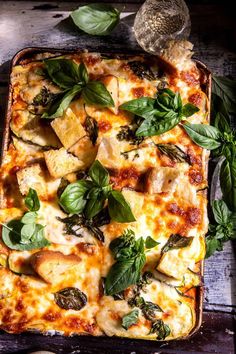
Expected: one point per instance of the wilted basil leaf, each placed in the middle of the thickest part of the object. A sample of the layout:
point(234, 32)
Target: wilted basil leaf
point(142, 70)
point(96, 19)
point(161, 329)
point(70, 299)
point(91, 127)
point(118, 207)
point(203, 135)
point(176, 241)
point(32, 200)
point(130, 319)
point(95, 92)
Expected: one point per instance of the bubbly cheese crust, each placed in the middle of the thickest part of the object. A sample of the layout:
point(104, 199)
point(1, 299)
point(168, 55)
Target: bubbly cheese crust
point(165, 197)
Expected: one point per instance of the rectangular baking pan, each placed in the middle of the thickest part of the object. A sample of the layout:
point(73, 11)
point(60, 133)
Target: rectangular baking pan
point(115, 342)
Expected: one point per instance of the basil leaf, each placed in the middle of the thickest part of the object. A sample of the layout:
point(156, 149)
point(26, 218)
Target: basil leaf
point(176, 241)
point(203, 135)
point(66, 73)
point(161, 329)
point(126, 241)
point(130, 319)
point(142, 107)
point(32, 200)
point(226, 89)
point(29, 217)
point(189, 109)
point(91, 127)
point(94, 206)
point(149, 310)
point(174, 152)
point(212, 245)
point(11, 236)
point(123, 274)
point(150, 242)
point(27, 232)
point(96, 19)
point(99, 174)
point(228, 182)
point(95, 92)
point(222, 124)
point(70, 299)
point(61, 103)
point(73, 198)
point(151, 127)
point(221, 212)
point(119, 209)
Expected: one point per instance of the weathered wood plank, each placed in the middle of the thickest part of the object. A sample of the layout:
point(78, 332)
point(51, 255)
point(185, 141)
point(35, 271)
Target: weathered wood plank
point(215, 336)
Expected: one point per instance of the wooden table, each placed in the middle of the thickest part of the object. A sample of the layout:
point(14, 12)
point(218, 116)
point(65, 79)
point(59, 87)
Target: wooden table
point(31, 23)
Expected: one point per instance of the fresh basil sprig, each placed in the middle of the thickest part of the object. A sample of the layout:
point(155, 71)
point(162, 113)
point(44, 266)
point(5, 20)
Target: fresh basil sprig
point(73, 79)
point(89, 196)
point(159, 114)
point(222, 230)
point(96, 19)
point(129, 254)
point(130, 319)
point(25, 234)
point(228, 179)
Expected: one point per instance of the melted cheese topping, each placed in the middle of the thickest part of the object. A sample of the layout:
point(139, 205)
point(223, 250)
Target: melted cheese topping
point(164, 202)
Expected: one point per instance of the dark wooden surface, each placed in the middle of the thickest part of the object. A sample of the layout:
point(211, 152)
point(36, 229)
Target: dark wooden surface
point(34, 23)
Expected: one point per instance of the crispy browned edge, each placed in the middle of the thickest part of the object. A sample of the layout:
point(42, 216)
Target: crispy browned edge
point(30, 51)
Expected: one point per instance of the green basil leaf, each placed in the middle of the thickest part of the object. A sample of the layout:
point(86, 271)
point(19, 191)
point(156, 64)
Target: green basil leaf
point(27, 233)
point(70, 299)
point(95, 92)
point(176, 241)
point(151, 127)
point(96, 19)
point(189, 109)
point(94, 206)
point(142, 107)
point(123, 274)
point(212, 245)
point(118, 207)
point(130, 319)
point(203, 135)
point(99, 174)
point(61, 103)
point(218, 106)
point(221, 212)
point(73, 198)
point(150, 242)
point(29, 217)
point(66, 73)
point(228, 182)
point(32, 200)
point(161, 329)
point(226, 89)
point(222, 124)
point(125, 241)
point(11, 236)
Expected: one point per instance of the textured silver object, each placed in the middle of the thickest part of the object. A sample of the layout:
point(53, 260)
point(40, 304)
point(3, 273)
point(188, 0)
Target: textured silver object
point(159, 21)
